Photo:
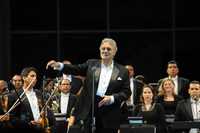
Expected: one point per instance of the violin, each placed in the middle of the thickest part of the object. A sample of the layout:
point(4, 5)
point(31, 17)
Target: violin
point(44, 122)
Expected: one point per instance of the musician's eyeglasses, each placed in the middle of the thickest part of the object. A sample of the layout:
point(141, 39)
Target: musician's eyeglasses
point(65, 84)
point(106, 48)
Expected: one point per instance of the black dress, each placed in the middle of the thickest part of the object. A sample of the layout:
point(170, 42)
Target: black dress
point(169, 106)
point(155, 116)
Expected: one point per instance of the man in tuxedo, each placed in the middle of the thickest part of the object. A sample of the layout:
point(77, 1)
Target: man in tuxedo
point(136, 89)
point(135, 85)
point(181, 84)
point(65, 101)
point(4, 94)
point(106, 87)
point(189, 109)
point(28, 114)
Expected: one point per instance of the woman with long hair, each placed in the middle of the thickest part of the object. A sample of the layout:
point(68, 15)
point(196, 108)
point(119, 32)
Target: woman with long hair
point(152, 112)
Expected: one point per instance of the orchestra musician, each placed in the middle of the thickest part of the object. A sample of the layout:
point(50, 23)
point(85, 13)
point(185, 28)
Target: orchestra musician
point(28, 115)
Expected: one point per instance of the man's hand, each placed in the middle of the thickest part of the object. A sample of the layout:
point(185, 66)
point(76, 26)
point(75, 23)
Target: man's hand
point(105, 101)
point(4, 118)
point(36, 123)
point(31, 84)
point(71, 121)
point(55, 65)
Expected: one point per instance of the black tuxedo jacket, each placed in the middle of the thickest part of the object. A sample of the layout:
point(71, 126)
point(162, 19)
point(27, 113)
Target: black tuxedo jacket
point(23, 113)
point(137, 91)
point(184, 111)
point(119, 87)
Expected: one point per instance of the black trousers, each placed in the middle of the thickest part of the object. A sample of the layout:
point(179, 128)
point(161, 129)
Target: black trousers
point(97, 126)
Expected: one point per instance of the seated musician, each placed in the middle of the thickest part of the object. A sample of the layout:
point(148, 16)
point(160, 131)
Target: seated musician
point(167, 97)
point(189, 109)
point(29, 114)
point(152, 112)
point(64, 100)
point(4, 119)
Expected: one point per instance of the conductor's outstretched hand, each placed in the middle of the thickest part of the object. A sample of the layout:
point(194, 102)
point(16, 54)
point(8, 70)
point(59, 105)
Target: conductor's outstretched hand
point(55, 65)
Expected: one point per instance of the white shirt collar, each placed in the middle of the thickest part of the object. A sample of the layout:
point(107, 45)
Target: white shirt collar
point(29, 91)
point(64, 94)
point(108, 67)
point(173, 78)
point(193, 101)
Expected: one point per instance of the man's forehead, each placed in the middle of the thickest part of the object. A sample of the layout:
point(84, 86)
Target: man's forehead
point(106, 44)
point(193, 84)
point(172, 65)
point(17, 77)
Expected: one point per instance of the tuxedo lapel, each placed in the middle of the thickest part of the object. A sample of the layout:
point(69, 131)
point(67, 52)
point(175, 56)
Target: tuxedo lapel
point(26, 106)
point(59, 102)
point(97, 72)
point(114, 77)
point(68, 111)
point(41, 102)
point(115, 73)
point(179, 85)
point(134, 90)
point(96, 76)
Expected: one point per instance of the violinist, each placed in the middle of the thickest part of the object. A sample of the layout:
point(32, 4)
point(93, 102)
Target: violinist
point(4, 120)
point(28, 114)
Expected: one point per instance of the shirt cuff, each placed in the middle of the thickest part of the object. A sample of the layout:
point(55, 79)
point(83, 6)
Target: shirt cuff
point(61, 66)
point(112, 100)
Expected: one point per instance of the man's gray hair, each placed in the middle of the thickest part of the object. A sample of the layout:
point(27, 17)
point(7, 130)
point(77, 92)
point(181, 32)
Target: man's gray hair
point(110, 41)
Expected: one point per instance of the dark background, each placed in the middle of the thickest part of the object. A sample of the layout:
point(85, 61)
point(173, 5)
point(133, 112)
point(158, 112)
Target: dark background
point(148, 33)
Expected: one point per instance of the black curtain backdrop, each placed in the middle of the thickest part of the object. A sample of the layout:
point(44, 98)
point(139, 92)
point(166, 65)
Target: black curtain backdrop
point(148, 33)
point(4, 40)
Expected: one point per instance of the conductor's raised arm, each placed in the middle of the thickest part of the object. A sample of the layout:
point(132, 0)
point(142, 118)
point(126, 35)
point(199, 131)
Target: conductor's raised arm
point(53, 64)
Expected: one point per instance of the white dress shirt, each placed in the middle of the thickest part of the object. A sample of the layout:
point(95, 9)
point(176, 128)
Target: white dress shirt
point(131, 101)
point(132, 90)
point(64, 102)
point(195, 109)
point(195, 113)
point(104, 80)
point(33, 103)
point(175, 79)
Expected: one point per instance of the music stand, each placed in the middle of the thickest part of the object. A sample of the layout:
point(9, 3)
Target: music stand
point(61, 122)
